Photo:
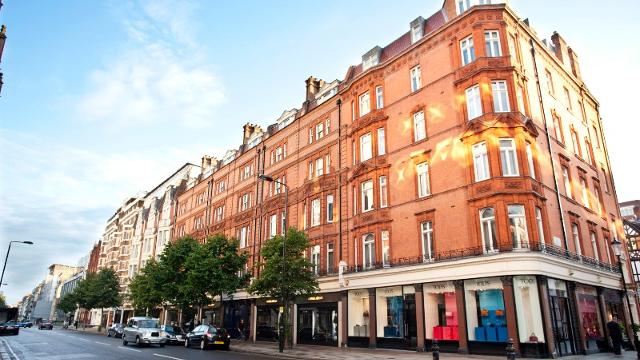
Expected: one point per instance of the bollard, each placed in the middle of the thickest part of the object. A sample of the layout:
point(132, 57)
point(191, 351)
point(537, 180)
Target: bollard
point(511, 351)
point(435, 349)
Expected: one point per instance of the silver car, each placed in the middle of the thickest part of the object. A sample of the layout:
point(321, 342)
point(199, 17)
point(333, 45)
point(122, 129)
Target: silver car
point(143, 331)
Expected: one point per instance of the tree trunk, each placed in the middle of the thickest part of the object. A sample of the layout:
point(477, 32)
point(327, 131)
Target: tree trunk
point(221, 314)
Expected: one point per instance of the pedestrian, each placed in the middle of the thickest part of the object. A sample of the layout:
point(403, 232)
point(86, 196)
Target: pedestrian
point(616, 335)
point(75, 323)
point(241, 329)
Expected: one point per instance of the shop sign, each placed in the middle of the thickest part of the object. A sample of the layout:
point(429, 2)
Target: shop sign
point(587, 290)
point(271, 301)
point(315, 298)
point(525, 281)
point(483, 284)
point(389, 292)
point(440, 287)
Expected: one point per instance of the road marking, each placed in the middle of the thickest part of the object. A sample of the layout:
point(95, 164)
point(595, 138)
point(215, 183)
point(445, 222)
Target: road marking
point(168, 357)
point(35, 343)
point(10, 349)
point(81, 339)
point(130, 349)
point(101, 343)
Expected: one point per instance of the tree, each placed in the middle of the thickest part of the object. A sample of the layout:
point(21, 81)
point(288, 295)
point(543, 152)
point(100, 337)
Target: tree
point(3, 301)
point(146, 288)
point(214, 268)
point(299, 279)
point(68, 303)
point(98, 290)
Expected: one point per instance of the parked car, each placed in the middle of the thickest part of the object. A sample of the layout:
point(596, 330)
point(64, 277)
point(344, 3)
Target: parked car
point(28, 324)
point(45, 325)
point(207, 336)
point(8, 328)
point(115, 330)
point(143, 331)
point(173, 333)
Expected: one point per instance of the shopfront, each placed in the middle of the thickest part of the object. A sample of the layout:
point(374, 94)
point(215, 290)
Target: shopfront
point(590, 318)
point(396, 317)
point(441, 315)
point(267, 314)
point(317, 320)
point(561, 322)
point(529, 316)
point(486, 315)
point(615, 309)
point(237, 318)
point(358, 327)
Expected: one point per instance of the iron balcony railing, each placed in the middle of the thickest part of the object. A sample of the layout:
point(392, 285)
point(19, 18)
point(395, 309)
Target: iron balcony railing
point(501, 248)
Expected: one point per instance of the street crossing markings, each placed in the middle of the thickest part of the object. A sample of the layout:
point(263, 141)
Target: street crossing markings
point(168, 357)
point(101, 343)
point(130, 349)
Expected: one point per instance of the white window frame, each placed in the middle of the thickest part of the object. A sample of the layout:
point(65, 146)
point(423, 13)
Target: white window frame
point(319, 131)
point(474, 102)
point(529, 152)
point(311, 135)
point(462, 6)
point(329, 260)
point(422, 176)
point(366, 151)
point(310, 170)
point(575, 232)
point(384, 239)
point(500, 96)
point(273, 225)
point(518, 216)
point(594, 245)
point(492, 43)
point(319, 167)
point(540, 225)
point(364, 100)
point(315, 259)
point(481, 161)
point(243, 236)
point(488, 230)
point(426, 235)
point(315, 212)
point(382, 181)
point(382, 149)
point(366, 195)
point(567, 182)
point(368, 251)
point(585, 193)
point(416, 78)
point(379, 97)
point(508, 157)
point(330, 208)
point(467, 51)
point(419, 126)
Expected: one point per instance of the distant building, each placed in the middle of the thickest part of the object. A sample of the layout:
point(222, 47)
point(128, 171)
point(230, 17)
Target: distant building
point(48, 297)
point(630, 210)
point(68, 287)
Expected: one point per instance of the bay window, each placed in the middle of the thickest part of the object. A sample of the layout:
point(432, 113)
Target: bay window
point(365, 104)
point(488, 230)
point(480, 161)
point(315, 212)
point(500, 96)
point(367, 195)
point(508, 157)
point(474, 103)
point(467, 50)
point(368, 251)
point(518, 226)
point(365, 147)
point(492, 44)
point(383, 191)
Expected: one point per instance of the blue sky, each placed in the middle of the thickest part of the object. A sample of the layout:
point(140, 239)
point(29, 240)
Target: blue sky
point(105, 99)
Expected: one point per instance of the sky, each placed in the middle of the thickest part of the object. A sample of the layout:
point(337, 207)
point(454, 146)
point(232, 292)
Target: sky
point(105, 99)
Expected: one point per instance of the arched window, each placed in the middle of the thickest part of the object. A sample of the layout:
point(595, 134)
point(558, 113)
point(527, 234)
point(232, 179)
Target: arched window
point(488, 230)
point(369, 251)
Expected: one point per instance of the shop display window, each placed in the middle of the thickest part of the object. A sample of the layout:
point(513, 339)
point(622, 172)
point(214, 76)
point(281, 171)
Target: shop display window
point(486, 317)
point(318, 323)
point(589, 315)
point(530, 327)
point(390, 312)
point(440, 311)
point(267, 323)
point(358, 313)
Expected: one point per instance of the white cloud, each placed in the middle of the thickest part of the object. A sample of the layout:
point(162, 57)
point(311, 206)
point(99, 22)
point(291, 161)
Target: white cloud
point(159, 77)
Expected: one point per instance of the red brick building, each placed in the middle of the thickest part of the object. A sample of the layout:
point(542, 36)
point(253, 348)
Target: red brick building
point(94, 258)
point(455, 185)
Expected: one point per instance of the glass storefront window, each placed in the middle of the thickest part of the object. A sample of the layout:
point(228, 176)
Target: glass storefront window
point(267, 323)
point(440, 311)
point(486, 317)
point(589, 313)
point(390, 312)
point(530, 327)
point(358, 313)
point(318, 323)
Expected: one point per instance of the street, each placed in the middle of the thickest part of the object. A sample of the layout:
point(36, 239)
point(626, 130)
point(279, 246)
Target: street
point(59, 344)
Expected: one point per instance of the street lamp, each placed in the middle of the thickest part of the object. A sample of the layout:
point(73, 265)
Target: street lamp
point(268, 178)
point(617, 250)
point(7, 257)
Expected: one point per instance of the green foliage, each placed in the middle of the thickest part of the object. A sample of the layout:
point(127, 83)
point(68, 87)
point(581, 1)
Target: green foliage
point(3, 301)
point(145, 289)
point(172, 272)
point(68, 303)
point(98, 290)
point(299, 278)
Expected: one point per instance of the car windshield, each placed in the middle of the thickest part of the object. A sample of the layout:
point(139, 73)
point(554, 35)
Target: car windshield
point(168, 328)
point(148, 324)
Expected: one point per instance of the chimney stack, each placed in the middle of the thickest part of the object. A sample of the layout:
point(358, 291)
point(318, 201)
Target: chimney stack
point(561, 47)
point(313, 87)
point(575, 66)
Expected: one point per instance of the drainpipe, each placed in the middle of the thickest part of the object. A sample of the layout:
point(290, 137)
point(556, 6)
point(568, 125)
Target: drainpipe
point(546, 130)
point(339, 103)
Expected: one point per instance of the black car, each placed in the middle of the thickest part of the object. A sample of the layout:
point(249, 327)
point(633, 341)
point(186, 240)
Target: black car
point(45, 325)
point(9, 329)
point(207, 336)
point(115, 330)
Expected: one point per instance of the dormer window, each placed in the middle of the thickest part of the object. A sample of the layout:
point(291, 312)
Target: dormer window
point(463, 5)
point(416, 29)
point(371, 58)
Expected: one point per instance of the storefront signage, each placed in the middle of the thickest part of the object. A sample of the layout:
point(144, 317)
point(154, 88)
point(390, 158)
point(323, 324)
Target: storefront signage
point(315, 298)
point(388, 292)
point(272, 301)
point(483, 284)
point(441, 287)
point(525, 281)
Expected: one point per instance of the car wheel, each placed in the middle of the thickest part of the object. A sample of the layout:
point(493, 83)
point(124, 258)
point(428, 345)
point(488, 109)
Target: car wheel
point(226, 347)
point(161, 345)
point(138, 343)
point(124, 342)
point(203, 345)
point(186, 343)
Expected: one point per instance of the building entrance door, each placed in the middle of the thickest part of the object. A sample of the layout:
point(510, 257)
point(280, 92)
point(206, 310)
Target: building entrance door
point(561, 326)
point(410, 324)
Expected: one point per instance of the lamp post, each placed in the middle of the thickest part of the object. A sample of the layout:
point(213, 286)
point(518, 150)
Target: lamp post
point(617, 250)
point(7, 257)
point(281, 336)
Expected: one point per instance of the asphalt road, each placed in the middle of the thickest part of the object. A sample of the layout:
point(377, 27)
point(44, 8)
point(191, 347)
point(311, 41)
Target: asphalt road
point(59, 344)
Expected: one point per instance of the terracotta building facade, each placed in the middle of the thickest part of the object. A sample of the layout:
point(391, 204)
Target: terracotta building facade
point(455, 186)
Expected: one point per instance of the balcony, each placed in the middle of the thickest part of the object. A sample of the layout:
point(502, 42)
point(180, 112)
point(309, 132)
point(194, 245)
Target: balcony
point(458, 254)
point(482, 64)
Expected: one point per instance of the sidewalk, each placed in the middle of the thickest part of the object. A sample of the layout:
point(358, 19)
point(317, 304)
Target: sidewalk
point(331, 353)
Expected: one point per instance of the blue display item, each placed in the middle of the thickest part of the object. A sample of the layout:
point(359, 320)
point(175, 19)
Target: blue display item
point(502, 334)
point(395, 320)
point(491, 300)
point(481, 335)
point(492, 333)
